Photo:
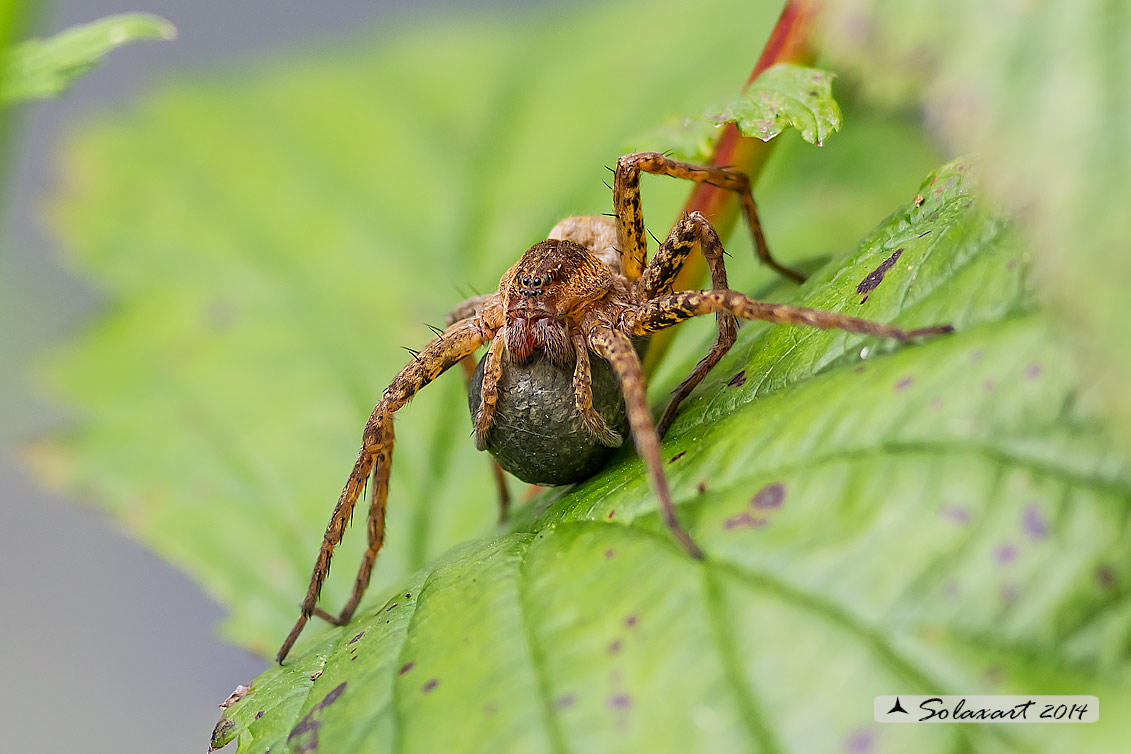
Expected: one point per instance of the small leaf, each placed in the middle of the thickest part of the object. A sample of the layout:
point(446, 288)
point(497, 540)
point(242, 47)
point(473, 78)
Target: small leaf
point(45, 68)
point(785, 95)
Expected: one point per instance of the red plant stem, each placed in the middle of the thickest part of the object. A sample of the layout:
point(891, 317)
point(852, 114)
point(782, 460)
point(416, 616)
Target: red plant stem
point(790, 42)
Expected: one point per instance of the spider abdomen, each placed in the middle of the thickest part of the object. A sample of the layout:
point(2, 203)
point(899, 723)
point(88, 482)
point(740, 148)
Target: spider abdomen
point(537, 433)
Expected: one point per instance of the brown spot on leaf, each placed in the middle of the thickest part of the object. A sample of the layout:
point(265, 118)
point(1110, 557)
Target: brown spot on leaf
point(630, 621)
point(1033, 371)
point(677, 456)
point(745, 521)
point(738, 380)
point(615, 647)
point(903, 384)
point(1034, 523)
point(701, 487)
point(315, 674)
point(876, 276)
point(1105, 577)
point(222, 734)
point(610, 553)
point(354, 639)
point(620, 701)
point(956, 513)
point(1006, 553)
point(770, 496)
point(332, 696)
point(406, 667)
point(303, 738)
point(610, 516)
point(862, 741)
point(565, 701)
point(431, 684)
point(259, 714)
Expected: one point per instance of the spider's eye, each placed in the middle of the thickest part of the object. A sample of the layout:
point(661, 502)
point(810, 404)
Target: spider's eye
point(525, 280)
point(537, 282)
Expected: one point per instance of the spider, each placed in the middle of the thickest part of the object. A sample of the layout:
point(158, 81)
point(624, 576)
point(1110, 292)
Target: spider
point(578, 304)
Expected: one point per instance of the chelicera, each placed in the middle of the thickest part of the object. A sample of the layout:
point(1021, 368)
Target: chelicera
point(576, 304)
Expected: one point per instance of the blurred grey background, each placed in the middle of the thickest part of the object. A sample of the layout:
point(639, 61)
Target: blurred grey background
point(105, 647)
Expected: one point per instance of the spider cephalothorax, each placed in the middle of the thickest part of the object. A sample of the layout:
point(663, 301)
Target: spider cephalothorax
point(544, 293)
point(586, 296)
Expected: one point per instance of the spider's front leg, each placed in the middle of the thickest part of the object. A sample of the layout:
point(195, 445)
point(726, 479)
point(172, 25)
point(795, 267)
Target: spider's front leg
point(668, 311)
point(630, 219)
point(449, 348)
point(583, 397)
point(616, 348)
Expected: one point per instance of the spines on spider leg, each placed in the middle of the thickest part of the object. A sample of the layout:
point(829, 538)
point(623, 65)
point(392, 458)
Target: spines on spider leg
point(618, 351)
point(667, 311)
point(335, 530)
point(375, 524)
point(722, 178)
point(489, 392)
point(458, 341)
point(712, 250)
point(629, 219)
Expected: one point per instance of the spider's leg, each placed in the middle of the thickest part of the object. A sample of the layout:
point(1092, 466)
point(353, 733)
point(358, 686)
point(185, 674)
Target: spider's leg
point(617, 349)
point(489, 392)
point(468, 365)
point(660, 275)
point(441, 353)
point(583, 397)
point(667, 311)
point(374, 528)
point(626, 203)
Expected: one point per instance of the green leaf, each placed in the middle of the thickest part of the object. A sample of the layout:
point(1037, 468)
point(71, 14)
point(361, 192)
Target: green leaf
point(45, 68)
point(785, 95)
point(1043, 92)
point(945, 518)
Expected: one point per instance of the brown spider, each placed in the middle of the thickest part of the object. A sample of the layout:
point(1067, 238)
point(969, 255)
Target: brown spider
point(588, 289)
